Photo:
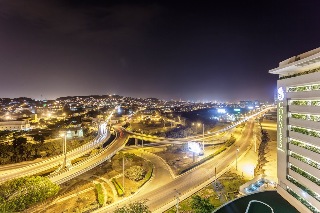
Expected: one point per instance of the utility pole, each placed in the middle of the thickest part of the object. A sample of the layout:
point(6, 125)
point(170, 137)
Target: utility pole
point(123, 171)
point(215, 175)
point(255, 140)
point(178, 200)
point(237, 150)
point(203, 138)
point(142, 139)
point(64, 149)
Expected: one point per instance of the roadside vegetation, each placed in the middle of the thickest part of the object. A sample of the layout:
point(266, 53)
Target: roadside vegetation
point(136, 207)
point(85, 193)
point(212, 196)
point(18, 194)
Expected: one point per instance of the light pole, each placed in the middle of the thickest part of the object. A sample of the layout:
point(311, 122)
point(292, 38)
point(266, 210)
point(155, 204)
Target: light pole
point(255, 140)
point(198, 125)
point(237, 150)
point(64, 149)
point(123, 171)
point(142, 139)
point(203, 138)
point(178, 200)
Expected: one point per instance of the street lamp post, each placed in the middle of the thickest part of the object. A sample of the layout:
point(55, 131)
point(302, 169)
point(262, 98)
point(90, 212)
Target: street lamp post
point(123, 171)
point(142, 140)
point(197, 128)
point(178, 200)
point(237, 150)
point(203, 138)
point(64, 149)
point(255, 140)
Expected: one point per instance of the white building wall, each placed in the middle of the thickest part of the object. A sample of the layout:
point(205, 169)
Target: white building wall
point(306, 189)
point(14, 125)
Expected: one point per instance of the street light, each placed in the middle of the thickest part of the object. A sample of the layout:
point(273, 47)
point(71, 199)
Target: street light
point(178, 200)
point(142, 139)
point(255, 140)
point(203, 138)
point(122, 171)
point(64, 148)
point(237, 158)
point(198, 125)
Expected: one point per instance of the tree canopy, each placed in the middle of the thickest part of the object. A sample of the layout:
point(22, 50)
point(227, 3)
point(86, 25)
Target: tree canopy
point(19, 194)
point(136, 207)
point(201, 205)
point(135, 173)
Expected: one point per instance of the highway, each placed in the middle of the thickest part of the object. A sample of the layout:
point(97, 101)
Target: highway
point(185, 185)
point(49, 163)
point(81, 167)
point(100, 157)
point(9, 172)
point(208, 138)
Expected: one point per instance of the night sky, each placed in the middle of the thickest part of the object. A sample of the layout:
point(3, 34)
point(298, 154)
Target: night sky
point(193, 50)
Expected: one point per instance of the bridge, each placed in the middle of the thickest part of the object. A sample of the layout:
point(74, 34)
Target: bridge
point(45, 165)
point(207, 138)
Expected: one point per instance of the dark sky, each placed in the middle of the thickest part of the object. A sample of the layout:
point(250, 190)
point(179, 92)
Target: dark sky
point(194, 50)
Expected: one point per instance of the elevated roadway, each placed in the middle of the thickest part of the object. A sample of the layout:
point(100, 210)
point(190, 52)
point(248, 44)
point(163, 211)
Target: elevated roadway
point(100, 157)
point(81, 167)
point(160, 198)
point(53, 162)
point(207, 138)
point(20, 170)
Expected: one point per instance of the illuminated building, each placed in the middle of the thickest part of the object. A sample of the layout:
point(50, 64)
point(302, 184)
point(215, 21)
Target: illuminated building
point(298, 104)
point(14, 125)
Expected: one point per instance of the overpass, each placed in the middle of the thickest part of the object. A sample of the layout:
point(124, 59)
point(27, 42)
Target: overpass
point(85, 165)
point(117, 144)
point(207, 138)
point(36, 168)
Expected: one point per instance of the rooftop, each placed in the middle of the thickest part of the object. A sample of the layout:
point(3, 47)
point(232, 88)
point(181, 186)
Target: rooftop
point(305, 61)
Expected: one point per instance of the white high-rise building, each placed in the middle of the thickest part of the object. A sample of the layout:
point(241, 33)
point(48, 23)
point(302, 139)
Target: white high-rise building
point(298, 104)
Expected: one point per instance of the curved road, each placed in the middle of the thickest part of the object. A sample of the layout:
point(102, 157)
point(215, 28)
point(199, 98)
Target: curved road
point(185, 185)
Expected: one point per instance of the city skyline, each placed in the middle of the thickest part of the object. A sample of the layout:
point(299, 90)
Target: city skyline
point(150, 49)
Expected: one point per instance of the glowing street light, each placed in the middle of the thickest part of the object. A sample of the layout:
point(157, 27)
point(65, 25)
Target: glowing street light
point(64, 148)
point(142, 139)
point(203, 138)
point(237, 150)
point(123, 171)
point(178, 200)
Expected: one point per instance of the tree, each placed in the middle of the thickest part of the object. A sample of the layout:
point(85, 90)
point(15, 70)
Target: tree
point(136, 207)
point(39, 138)
point(17, 142)
point(135, 173)
point(18, 194)
point(19, 145)
point(201, 205)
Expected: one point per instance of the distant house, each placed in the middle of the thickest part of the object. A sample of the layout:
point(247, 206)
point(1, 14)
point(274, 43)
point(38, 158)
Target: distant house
point(14, 125)
point(75, 132)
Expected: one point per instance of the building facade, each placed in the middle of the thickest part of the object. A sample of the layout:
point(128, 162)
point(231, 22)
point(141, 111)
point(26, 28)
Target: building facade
point(76, 132)
point(14, 125)
point(298, 142)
